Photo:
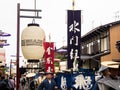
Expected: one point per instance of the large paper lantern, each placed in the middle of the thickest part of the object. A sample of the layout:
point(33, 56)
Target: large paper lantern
point(32, 42)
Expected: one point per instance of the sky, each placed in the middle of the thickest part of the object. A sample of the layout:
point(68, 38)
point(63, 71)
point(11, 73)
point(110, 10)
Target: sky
point(54, 18)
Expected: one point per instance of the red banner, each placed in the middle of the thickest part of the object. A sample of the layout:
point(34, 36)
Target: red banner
point(49, 56)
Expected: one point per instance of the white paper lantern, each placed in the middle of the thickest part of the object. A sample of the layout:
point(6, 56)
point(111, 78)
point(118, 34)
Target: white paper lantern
point(32, 42)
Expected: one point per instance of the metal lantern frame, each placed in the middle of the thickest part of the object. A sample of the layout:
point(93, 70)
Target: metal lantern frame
point(36, 11)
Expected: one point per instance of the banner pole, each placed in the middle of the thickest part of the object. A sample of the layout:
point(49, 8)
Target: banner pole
point(73, 5)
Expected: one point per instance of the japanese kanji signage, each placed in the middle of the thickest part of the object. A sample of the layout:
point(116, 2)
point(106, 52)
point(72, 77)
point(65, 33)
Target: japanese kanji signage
point(49, 56)
point(74, 38)
point(75, 81)
point(82, 82)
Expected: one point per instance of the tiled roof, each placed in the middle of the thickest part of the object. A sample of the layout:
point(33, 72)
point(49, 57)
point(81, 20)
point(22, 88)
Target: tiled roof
point(99, 29)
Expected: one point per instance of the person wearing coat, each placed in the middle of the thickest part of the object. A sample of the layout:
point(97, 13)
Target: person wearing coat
point(104, 71)
point(49, 83)
point(106, 82)
point(32, 83)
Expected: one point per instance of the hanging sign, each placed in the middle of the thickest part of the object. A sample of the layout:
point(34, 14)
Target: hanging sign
point(75, 81)
point(74, 38)
point(84, 81)
point(49, 56)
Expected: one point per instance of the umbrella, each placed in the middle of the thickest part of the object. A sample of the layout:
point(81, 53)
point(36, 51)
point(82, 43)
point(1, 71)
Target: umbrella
point(105, 63)
point(61, 51)
point(4, 44)
point(4, 34)
point(113, 66)
point(30, 75)
point(57, 60)
point(37, 75)
point(110, 64)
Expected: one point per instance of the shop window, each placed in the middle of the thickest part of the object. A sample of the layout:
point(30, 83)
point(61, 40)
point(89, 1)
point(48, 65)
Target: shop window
point(96, 47)
point(104, 44)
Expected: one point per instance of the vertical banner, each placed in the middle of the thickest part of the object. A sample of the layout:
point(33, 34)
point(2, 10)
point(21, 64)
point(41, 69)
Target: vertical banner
point(49, 56)
point(74, 38)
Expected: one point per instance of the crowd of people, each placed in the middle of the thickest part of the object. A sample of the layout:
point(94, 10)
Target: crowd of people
point(109, 80)
point(7, 82)
point(44, 82)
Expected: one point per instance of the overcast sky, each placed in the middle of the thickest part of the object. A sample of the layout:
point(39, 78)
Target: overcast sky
point(94, 13)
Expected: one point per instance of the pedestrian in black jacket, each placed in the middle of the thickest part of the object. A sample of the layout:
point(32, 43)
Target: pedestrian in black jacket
point(32, 83)
point(49, 83)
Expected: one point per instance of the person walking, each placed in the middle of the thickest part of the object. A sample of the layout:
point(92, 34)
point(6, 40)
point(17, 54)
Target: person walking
point(12, 82)
point(48, 83)
point(41, 78)
point(113, 82)
point(109, 79)
point(22, 82)
point(3, 84)
point(32, 83)
point(104, 72)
